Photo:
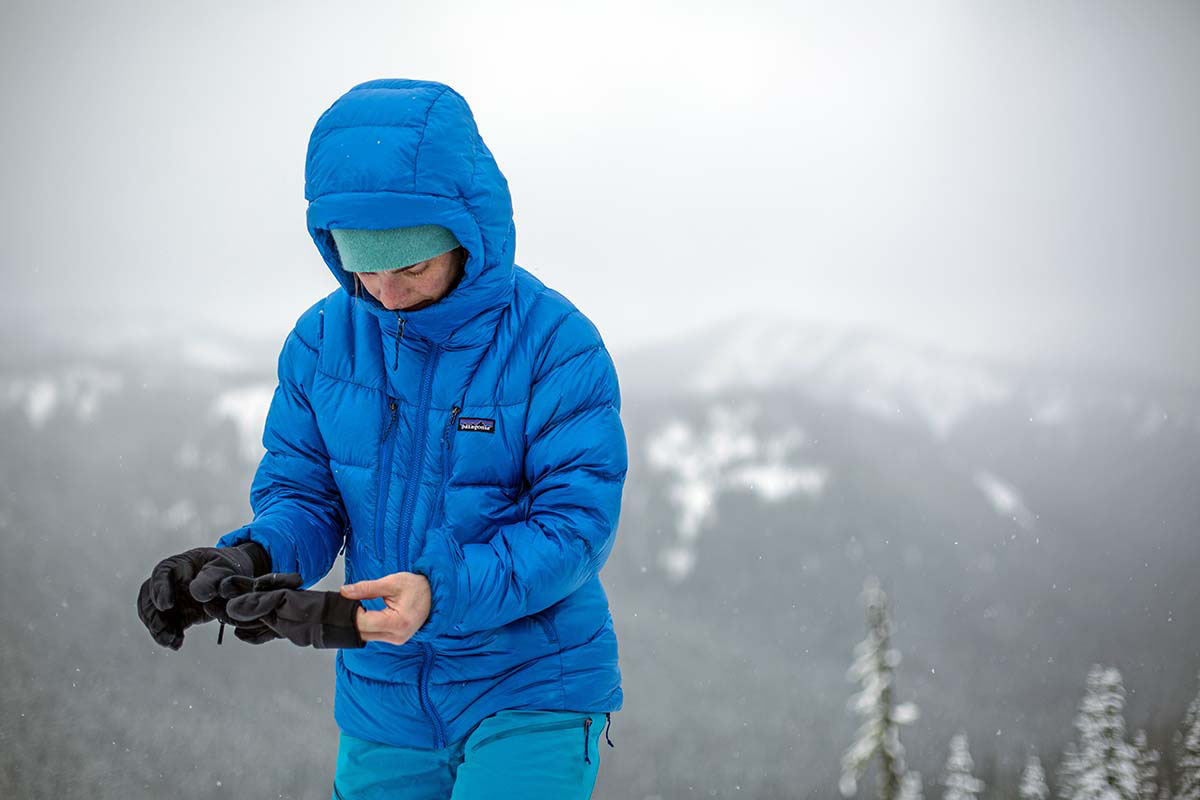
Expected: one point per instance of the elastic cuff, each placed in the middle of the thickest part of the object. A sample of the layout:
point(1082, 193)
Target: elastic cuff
point(339, 623)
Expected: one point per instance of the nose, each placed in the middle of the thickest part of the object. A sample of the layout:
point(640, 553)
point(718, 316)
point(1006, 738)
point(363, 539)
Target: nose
point(390, 293)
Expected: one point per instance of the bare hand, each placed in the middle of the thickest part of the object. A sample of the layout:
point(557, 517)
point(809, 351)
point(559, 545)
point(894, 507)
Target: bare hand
point(408, 598)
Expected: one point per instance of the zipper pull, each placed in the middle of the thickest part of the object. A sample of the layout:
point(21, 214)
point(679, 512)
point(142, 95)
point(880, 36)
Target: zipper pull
point(607, 725)
point(221, 633)
point(391, 421)
point(450, 425)
point(587, 725)
point(399, 335)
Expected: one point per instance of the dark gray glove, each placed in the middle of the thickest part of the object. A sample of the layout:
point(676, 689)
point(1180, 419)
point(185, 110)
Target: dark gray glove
point(304, 617)
point(182, 589)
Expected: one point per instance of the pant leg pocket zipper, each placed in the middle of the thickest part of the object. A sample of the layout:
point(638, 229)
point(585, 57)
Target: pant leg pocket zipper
point(546, 726)
point(587, 727)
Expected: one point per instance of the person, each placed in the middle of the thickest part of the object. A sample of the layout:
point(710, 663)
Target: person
point(452, 424)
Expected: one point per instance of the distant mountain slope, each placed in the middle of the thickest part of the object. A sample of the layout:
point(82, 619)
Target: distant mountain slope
point(1025, 520)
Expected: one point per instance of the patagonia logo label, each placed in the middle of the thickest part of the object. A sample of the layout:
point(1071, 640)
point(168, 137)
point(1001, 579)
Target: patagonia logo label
point(481, 424)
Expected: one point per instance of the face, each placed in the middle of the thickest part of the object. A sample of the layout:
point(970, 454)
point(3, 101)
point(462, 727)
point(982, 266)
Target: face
point(416, 286)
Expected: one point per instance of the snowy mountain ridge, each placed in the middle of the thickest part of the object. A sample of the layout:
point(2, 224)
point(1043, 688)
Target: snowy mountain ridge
point(887, 377)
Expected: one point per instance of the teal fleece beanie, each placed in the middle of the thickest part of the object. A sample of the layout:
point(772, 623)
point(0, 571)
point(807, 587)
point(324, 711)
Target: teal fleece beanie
point(364, 250)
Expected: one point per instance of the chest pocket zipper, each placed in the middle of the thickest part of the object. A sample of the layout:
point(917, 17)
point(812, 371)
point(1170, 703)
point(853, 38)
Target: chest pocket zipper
point(385, 476)
point(447, 433)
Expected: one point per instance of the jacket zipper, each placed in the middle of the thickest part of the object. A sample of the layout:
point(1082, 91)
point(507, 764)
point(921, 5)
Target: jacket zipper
point(386, 448)
point(411, 484)
point(447, 432)
point(439, 737)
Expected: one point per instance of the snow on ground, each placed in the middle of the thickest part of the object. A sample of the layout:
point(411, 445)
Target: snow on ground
point(895, 381)
point(723, 453)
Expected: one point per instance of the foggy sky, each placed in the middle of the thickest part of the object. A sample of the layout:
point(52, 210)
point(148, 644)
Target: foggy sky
point(1016, 178)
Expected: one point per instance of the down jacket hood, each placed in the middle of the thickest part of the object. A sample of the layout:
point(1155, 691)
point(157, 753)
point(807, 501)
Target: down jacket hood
point(391, 153)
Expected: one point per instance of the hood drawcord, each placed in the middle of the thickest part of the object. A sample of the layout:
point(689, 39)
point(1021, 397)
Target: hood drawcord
point(399, 334)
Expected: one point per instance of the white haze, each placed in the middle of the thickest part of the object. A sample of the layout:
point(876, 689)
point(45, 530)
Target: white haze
point(1016, 179)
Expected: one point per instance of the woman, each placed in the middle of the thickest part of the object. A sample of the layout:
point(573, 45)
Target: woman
point(455, 429)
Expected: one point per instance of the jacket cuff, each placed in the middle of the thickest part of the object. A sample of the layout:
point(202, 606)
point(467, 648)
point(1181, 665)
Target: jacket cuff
point(281, 556)
point(260, 559)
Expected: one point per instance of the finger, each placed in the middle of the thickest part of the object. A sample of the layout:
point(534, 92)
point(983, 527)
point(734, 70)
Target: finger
point(367, 589)
point(389, 637)
point(162, 585)
point(203, 587)
point(216, 610)
point(145, 606)
point(161, 628)
point(278, 580)
point(193, 615)
point(171, 574)
point(255, 634)
point(254, 605)
point(235, 585)
point(376, 622)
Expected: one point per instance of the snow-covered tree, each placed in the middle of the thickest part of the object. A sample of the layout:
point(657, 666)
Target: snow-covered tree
point(959, 782)
point(910, 786)
point(1146, 765)
point(1107, 763)
point(1187, 749)
point(874, 668)
point(1066, 780)
point(1033, 780)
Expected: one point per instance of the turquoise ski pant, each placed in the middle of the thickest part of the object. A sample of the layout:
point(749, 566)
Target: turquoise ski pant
point(511, 754)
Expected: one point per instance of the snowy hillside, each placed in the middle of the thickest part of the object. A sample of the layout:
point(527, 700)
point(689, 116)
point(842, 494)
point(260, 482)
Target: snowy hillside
point(1024, 520)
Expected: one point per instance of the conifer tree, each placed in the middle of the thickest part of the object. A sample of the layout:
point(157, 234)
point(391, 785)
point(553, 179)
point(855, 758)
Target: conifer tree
point(1066, 782)
point(959, 782)
point(1107, 763)
point(1146, 766)
point(910, 786)
point(1187, 750)
point(1033, 780)
point(874, 668)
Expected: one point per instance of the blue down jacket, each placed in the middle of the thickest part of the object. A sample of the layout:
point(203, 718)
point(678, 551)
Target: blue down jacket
point(476, 441)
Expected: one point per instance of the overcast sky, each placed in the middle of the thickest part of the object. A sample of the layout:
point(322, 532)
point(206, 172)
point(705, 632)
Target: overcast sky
point(1014, 178)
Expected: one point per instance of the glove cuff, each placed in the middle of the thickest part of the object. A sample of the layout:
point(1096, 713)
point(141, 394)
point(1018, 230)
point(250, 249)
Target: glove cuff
point(339, 623)
point(260, 559)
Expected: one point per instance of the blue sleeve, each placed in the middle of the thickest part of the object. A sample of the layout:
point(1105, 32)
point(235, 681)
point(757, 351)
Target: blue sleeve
point(299, 516)
point(575, 465)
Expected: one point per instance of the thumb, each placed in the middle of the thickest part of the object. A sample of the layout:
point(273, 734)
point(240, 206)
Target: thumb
point(365, 589)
